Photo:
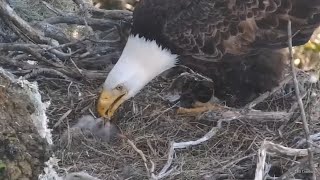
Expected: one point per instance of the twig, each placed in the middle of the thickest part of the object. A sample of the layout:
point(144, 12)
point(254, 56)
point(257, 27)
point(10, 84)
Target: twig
point(234, 162)
point(53, 9)
point(141, 154)
point(100, 152)
point(62, 118)
point(293, 117)
point(75, 65)
point(74, 43)
point(297, 91)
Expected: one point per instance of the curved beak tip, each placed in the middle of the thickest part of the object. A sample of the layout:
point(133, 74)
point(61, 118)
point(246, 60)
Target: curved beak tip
point(103, 108)
point(108, 103)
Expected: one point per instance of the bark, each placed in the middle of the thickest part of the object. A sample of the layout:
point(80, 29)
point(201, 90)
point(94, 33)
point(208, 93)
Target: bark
point(22, 150)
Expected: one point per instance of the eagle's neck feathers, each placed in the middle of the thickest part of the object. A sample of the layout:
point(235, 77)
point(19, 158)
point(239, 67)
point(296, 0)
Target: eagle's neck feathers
point(141, 61)
point(149, 54)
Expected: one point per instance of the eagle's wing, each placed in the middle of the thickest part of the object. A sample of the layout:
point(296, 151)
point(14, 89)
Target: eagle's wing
point(211, 29)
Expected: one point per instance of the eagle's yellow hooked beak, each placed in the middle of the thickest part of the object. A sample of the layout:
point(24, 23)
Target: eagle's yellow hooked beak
point(109, 101)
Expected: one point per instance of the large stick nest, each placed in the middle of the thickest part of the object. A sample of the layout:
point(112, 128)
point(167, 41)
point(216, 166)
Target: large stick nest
point(69, 54)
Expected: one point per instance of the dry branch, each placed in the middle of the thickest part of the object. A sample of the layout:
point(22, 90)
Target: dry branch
point(273, 148)
point(29, 32)
point(299, 98)
point(53, 32)
point(35, 50)
point(30, 49)
point(260, 170)
point(96, 24)
point(5, 61)
point(268, 147)
point(255, 115)
point(36, 72)
point(111, 14)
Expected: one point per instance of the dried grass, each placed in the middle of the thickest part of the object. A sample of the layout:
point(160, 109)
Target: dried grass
point(151, 123)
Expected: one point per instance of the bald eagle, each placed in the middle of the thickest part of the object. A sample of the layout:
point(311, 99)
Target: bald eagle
point(210, 31)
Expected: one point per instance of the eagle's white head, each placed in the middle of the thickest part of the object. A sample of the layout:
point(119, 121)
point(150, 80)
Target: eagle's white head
point(140, 62)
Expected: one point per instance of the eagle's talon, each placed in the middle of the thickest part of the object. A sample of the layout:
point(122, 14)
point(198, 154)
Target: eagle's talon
point(199, 108)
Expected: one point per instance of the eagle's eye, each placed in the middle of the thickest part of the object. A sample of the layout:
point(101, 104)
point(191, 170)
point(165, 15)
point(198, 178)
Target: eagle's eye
point(119, 88)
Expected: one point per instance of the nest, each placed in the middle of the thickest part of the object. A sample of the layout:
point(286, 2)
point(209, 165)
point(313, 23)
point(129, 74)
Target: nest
point(70, 74)
point(151, 123)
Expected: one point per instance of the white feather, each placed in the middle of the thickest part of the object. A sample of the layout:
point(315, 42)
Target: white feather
point(140, 62)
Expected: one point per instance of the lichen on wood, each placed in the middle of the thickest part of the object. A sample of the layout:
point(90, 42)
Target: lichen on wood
point(22, 150)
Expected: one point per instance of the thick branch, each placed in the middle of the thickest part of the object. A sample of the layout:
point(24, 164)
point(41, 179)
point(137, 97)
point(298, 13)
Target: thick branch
point(111, 14)
point(53, 32)
point(34, 47)
point(98, 24)
point(28, 48)
point(256, 115)
point(32, 34)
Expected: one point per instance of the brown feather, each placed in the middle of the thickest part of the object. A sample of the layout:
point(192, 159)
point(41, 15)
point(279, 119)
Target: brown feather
point(236, 81)
point(240, 40)
point(211, 29)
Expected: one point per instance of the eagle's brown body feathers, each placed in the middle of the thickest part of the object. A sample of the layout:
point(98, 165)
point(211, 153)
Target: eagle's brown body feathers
point(238, 82)
point(212, 29)
point(238, 39)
